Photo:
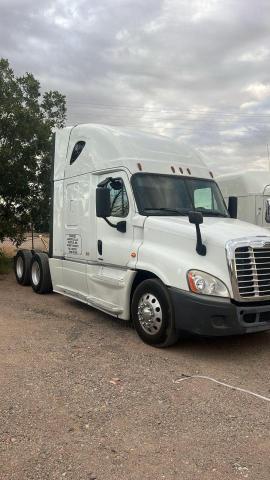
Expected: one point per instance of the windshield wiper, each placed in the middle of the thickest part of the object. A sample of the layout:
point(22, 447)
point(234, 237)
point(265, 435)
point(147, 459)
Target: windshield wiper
point(169, 210)
point(211, 213)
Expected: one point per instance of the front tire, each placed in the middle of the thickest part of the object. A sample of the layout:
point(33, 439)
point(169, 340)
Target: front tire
point(22, 267)
point(40, 273)
point(153, 315)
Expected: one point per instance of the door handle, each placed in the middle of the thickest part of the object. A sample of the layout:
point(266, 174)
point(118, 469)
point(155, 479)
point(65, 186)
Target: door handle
point(99, 247)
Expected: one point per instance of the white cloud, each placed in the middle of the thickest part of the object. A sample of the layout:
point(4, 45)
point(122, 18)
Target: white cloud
point(248, 105)
point(122, 34)
point(234, 132)
point(257, 55)
point(259, 90)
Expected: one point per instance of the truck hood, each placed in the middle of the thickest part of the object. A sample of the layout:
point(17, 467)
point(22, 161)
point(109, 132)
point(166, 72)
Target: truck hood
point(214, 230)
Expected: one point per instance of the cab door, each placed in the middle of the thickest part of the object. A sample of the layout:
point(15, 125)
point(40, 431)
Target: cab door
point(114, 247)
point(109, 278)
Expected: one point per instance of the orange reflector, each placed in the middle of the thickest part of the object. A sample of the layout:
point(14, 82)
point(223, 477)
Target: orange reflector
point(133, 254)
point(191, 283)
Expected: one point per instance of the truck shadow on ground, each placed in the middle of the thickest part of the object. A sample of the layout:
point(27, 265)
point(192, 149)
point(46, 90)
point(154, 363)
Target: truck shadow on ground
point(233, 347)
point(239, 349)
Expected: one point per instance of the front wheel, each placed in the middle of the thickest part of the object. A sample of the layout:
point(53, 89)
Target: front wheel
point(152, 314)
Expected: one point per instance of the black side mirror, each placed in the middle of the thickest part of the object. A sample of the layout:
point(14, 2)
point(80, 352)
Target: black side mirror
point(232, 207)
point(121, 226)
point(103, 202)
point(197, 218)
point(103, 208)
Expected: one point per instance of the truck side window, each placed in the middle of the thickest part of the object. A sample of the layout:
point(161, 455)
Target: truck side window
point(119, 198)
point(77, 150)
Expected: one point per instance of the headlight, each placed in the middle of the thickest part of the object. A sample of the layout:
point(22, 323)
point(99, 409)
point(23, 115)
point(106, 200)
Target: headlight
point(205, 284)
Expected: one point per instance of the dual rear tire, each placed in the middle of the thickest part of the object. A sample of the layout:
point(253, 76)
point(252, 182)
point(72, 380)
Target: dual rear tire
point(22, 267)
point(33, 269)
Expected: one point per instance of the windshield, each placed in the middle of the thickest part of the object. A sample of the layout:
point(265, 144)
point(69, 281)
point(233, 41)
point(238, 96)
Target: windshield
point(170, 195)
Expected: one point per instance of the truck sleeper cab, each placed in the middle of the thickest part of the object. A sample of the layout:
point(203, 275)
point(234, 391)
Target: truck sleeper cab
point(140, 230)
point(252, 190)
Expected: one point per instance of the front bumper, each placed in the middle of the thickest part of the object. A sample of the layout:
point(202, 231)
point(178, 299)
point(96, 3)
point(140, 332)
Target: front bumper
point(214, 316)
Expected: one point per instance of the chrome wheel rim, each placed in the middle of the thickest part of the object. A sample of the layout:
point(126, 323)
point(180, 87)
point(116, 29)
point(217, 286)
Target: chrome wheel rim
point(19, 267)
point(150, 314)
point(35, 273)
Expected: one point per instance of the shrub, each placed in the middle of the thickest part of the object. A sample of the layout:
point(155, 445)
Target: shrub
point(5, 263)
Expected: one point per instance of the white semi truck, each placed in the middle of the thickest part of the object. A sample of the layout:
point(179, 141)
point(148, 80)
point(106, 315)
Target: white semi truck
point(252, 189)
point(140, 230)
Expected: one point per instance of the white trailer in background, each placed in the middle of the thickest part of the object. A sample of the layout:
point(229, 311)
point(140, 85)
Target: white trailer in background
point(252, 190)
point(140, 230)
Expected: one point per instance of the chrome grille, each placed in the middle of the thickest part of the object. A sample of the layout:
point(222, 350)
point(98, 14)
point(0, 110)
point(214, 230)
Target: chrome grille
point(252, 268)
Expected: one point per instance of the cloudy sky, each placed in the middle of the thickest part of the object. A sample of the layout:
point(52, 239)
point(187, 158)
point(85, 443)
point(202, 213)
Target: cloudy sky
point(197, 70)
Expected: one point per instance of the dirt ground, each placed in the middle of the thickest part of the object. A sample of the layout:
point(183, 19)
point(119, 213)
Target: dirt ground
point(82, 398)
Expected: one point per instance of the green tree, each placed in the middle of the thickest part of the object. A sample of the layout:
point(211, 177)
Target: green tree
point(27, 122)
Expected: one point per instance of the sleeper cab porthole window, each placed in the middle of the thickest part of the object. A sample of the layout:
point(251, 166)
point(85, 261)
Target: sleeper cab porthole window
point(77, 150)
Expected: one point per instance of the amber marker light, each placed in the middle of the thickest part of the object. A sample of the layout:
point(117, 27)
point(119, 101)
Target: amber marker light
point(133, 254)
point(191, 282)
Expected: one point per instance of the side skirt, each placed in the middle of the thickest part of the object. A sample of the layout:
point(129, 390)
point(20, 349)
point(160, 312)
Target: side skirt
point(111, 309)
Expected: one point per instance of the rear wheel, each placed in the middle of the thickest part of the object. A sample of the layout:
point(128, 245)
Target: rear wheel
point(152, 314)
point(40, 273)
point(22, 267)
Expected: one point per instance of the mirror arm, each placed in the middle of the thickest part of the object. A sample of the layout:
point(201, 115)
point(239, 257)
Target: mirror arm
point(196, 218)
point(200, 247)
point(104, 182)
point(120, 226)
point(110, 223)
